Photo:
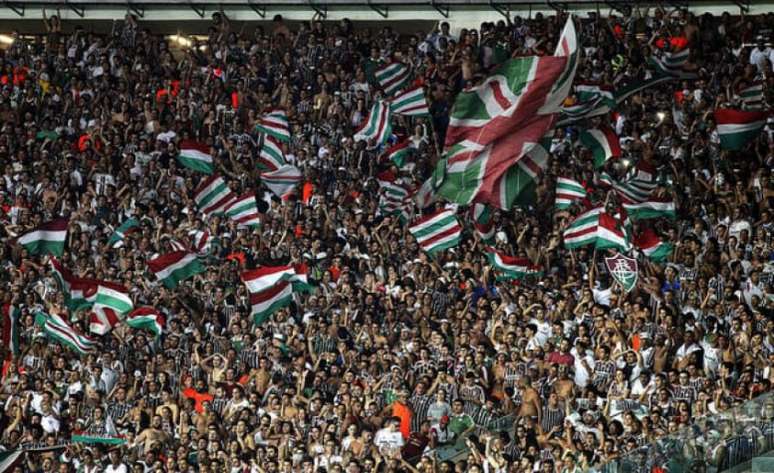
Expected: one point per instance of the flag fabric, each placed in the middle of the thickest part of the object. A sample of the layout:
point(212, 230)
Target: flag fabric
point(200, 240)
point(392, 77)
point(752, 97)
point(398, 153)
point(603, 144)
point(172, 268)
point(518, 186)
point(283, 181)
point(566, 49)
point(567, 192)
point(196, 156)
point(11, 316)
point(117, 238)
point(10, 459)
point(57, 329)
point(377, 127)
point(271, 156)
point(511, 267)
point(244, 211)
point(47, 239)
point(473, 172)
point(393, 197)
point(637, 187)
point(672, 63)
point(97, 439)
point(654, 207)
point(411, 102)
point(275, 124)
point(213, 195)
point(594, 92)
point(146, 318)
point(737, 128)
point(583, 230)
point(76, 291)
point(481, 214)
point(272, 287)
point(504, 101)
point(437, 232)
point(652, 246)
point(611, 234)
point(109, 303)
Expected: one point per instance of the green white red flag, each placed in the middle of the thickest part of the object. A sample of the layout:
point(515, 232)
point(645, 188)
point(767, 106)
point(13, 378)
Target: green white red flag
point(213, 195)
point(568, 191)
point(196, 156)
point(737, 128)
point(511, 267)
point(272, 287)
point(173, 268)
point(275, 123)
point(437, 232)
point(652, 246)
point(244, 211)
point(752, 97)
point(393, 77)
point(654, 207)
point(271, 157)
point(377, 127)
point(283, 181)
point(146, 318)
point(399, 153)
point(57, 329)
point(602, 142)
point(410, 102)
point(47, 239)
point(481, 214)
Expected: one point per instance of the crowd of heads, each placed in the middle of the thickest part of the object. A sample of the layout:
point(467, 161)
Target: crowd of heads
point(397, 357)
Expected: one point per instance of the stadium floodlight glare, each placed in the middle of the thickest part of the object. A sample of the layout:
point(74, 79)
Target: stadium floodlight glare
point(6, 39)
point(181, 40)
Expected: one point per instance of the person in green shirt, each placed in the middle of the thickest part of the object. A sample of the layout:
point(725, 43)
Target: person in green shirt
point(459, 422)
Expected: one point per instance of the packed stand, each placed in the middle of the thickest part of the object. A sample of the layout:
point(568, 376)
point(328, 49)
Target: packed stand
point(395, 355)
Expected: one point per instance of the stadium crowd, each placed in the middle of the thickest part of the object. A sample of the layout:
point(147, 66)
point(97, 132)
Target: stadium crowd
point(396, 357)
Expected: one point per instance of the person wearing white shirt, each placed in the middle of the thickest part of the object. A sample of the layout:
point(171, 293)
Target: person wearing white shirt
point(760, 54)
point(583, 364)
point(116, 466)
point(389, 439)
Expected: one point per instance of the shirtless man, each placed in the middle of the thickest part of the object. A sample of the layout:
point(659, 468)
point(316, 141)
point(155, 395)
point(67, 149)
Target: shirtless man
point(152, 434)
point(530, 405)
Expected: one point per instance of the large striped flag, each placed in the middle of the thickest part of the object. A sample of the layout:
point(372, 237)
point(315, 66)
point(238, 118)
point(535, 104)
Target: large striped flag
point(511, 267)
point(117, 238)
point(172, 268)
point(567, 192)
point(11, 316)
point(271, 156)
point(654, 207)
point(196, 156)
point(393, 77)
point(603, 144)
point(394, 197)
point(244, 210)
point(437, 232)
point(652, 246)
point(377, 127)
point(10, 459)
point(752, 97)
point(518, 186)
point(213, 195)
point(271, 288)
point(737, 128)
point(283, 181)
point(398, 153)
point(275, 123)
point(146, 318)
point(593, 92)
point(473, 172)
point(56, 328)
point(611, 234)
point(505, 101)
point(200, 242)
point(47, 239)
point(411, 102)
point(481, 214)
